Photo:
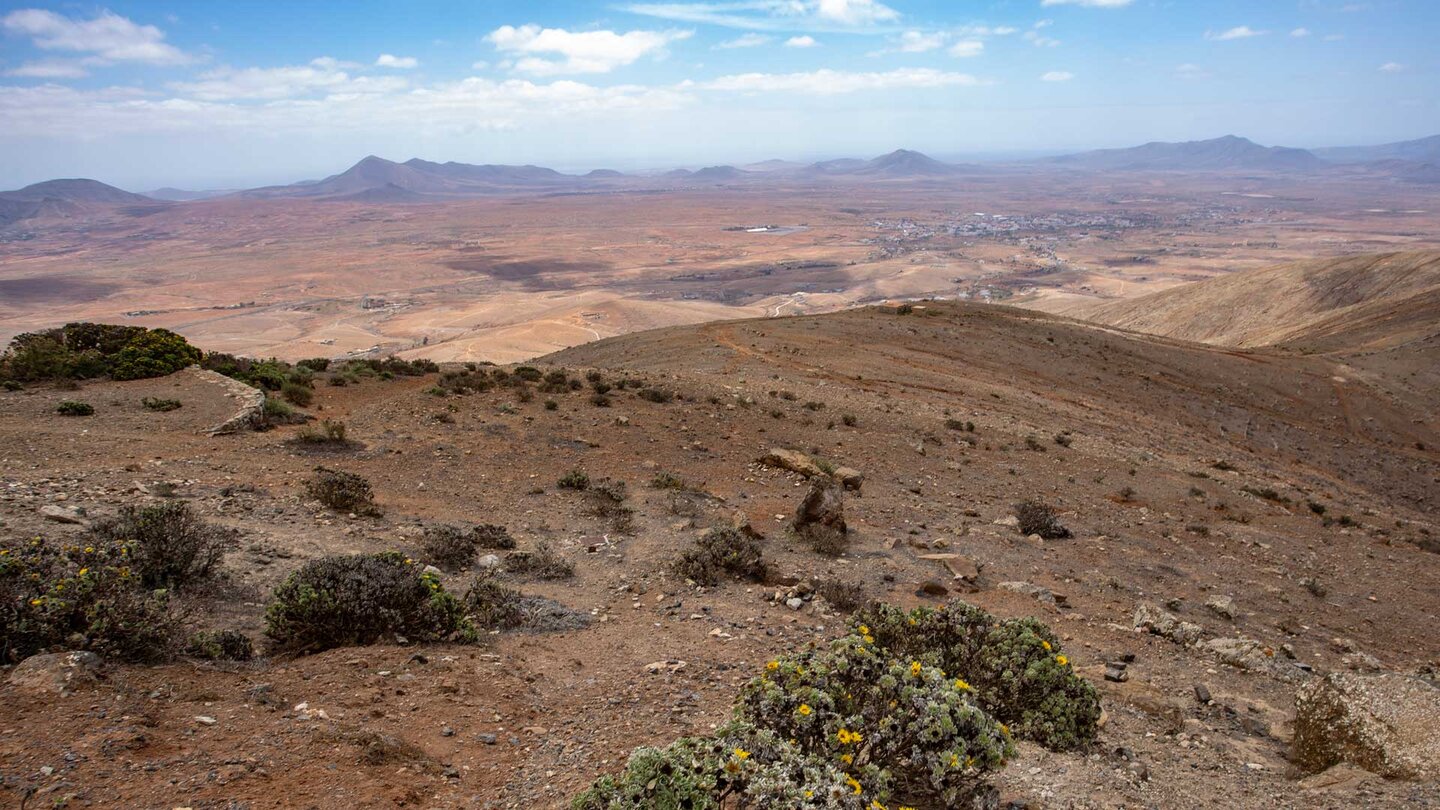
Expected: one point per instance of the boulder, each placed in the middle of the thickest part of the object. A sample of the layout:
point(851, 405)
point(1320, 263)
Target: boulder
point(1222, 606)
point(56, 672)
point(63, 514)
point(792, 460)
point(1382, 723)
point(849, 477)
point(1154, 619)
point(823, 505)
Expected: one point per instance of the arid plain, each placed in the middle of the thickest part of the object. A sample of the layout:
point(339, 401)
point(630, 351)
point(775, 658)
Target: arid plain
point(517, 275)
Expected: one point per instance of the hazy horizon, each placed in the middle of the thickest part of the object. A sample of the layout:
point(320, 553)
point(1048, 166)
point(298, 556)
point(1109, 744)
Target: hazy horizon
point(149, 94)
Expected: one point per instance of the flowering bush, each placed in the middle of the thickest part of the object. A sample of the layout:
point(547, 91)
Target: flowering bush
point(1019, 673)
point(741, 766)
point(897, 728)
point(80, 597)
point(354, 599)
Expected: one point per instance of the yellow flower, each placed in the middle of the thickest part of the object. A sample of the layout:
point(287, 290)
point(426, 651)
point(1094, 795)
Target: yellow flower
point(876, 805)
point(804, 710)
point(84, 571)
point(809, 794)
point(954, 760)
point(37, 601)
point(1061, 660)
point(89, 549)
point(864, 630)
point(914, 667)
point(913, 622)
point(847, 758)
point(1004, 728)
point(869, 639)
point(741, 753)
point(772, 665)
point(1045, 644)
point(850, 780)
point(962, 685)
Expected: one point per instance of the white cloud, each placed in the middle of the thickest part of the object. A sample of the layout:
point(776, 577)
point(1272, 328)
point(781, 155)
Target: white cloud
point(920, 41)
point(49, 69)
point(967, 47)
point(1057, 76)
point(1238, 32)
point(469, 105)
point(401, 62)
point(107, 37)
point(1040, 40)
point(775, 15)
point(1392, 67)
point(323, 76)
point(750, 40)
point(579, 51)
point(1088, 3)
point(833, 82)
point(481, 65)
point(1300, 33)
point(803, 41)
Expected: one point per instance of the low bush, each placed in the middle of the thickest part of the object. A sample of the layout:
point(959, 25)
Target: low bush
point(453, 548)
point(80, 597)
point(297, 394)
point(542, 563)
point(492, 606)
point(665, 480)
point(71, 407)
point(342, 491)
point(327, 432)
point(155, 353)
point(78, 351)
point(722, 552)
point(161, 405)
point(1038, 518)
point(845, 596)
point(220, 645)
point(358, 599)
point(574, 479)
point(821, 539)
point(657, 395)
point(169, 546)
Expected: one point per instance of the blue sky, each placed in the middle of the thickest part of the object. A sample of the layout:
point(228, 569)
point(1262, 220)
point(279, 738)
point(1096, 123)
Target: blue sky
point(219, 94)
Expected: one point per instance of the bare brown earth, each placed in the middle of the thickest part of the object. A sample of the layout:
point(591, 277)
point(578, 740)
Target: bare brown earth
point(521, 274)
point(1375, 312)
point(1150, 414)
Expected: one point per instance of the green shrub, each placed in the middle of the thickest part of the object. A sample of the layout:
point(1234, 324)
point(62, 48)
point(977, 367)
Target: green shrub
point(155, 353)
point(297, 394)
point(316, 364)
point(342, 491)
point(220, 645)
point(720, 552)
point(359, 599)
point(1017, 668)
point(72, 408)
point(453, 548)
point(277, 409)
point(574, 479)
point(902, 730)
point(80, 597)
point(169, 545)
point(161, 405)
point(1037, 518)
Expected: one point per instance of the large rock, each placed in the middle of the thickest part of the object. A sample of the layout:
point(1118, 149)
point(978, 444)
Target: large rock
point(1154, 619)
point(792, 460)
point(55, 672)
point(1251, 656)
point(64, 514)
point(1382, 723)
point(823, 506)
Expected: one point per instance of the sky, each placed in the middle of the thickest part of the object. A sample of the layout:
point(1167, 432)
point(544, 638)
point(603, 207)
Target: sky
point(199, 94)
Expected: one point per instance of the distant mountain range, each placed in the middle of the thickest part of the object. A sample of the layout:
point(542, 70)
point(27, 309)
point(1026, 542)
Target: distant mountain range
point(377, 180)
point(1227, 153)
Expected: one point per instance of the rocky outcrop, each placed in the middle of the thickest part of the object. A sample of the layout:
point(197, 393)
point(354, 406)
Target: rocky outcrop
point(249, 400)
point(1154, 619)
point(822, 507)
point(1382, 723)
point(801, 463)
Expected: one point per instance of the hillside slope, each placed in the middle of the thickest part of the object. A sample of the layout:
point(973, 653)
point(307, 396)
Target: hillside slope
point(1380, 312)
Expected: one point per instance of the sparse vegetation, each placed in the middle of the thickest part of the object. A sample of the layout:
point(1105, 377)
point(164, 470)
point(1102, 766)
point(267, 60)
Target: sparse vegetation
point(72, 407)
point(220, 645)
point(355, 599)
point(492, 606)
point(331, 433)
point(845, 596)
point(160, 405)
point(575, 479)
